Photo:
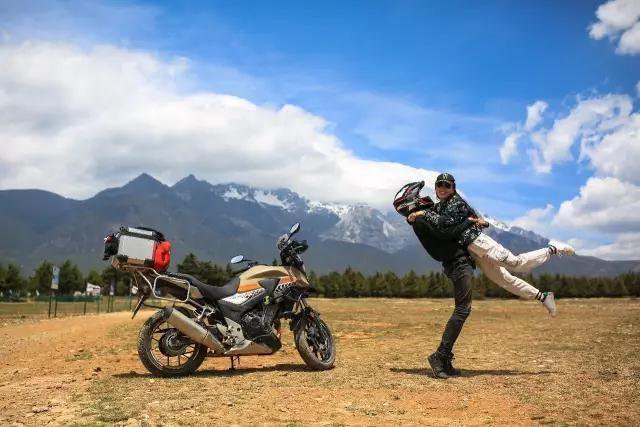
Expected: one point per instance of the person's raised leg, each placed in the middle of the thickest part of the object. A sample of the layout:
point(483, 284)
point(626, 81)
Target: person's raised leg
point(517, 286)
point(485, 246)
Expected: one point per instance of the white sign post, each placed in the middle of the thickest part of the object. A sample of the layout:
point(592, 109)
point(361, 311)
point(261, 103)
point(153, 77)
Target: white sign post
point(55, 277)
point(55, 280)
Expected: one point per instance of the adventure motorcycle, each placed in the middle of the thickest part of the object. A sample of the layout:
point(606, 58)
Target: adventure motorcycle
point(241, 318)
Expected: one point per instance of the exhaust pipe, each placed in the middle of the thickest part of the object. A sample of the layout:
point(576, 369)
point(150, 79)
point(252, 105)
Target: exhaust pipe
point(193, 330)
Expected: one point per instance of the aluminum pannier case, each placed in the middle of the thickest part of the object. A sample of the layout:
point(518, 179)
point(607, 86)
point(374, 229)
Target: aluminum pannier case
point(136, 245)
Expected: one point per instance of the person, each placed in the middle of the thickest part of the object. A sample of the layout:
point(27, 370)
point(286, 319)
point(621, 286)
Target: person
point(494, 260)
point(440, 243)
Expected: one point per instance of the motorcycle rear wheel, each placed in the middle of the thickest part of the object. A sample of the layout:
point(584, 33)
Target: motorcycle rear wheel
point(315, 344)
point(157, 355)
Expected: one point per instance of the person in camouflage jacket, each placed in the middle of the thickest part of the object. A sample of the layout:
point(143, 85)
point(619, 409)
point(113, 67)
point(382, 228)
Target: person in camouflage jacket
point(494, 260)
point(456, 210)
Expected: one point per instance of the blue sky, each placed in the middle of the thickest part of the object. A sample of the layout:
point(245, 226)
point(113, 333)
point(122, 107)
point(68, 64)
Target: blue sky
point(432, 85)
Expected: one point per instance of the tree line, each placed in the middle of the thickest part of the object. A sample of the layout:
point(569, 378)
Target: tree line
point(348, 283)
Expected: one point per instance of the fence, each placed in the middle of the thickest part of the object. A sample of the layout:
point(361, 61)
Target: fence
point(65, 305)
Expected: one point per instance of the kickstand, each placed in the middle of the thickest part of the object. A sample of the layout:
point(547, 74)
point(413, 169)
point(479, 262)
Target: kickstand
point(235, 362)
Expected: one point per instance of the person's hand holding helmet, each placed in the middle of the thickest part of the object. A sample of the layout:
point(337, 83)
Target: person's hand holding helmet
point(413, 215)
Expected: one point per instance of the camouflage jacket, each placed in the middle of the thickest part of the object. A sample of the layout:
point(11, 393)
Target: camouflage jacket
point(453, 211)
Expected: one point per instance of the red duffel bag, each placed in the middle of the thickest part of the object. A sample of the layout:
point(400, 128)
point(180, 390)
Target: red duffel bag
point(162, 256)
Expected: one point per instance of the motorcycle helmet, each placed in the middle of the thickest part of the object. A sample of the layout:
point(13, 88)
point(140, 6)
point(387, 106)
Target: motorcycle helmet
point(408, 199)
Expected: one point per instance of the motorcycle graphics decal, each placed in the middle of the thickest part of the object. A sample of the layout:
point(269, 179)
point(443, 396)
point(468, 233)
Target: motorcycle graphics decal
point(248, 286)
point(285, 283)
point(241, 298)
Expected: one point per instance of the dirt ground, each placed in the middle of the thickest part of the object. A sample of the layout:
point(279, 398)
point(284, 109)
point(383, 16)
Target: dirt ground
point(520, 367)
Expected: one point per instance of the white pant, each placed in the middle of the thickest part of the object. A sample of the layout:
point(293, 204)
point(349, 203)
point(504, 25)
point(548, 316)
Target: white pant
point(495, 261)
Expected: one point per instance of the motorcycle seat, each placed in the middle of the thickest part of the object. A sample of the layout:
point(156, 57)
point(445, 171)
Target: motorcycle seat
point(210, 292)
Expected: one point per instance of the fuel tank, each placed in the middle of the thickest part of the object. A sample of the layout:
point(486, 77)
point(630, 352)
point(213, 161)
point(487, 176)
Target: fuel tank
point(249, 279)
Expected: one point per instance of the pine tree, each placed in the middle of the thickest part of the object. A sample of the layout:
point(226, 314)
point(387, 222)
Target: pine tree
point(14, 283)
point(71, 279)
point(41, 279)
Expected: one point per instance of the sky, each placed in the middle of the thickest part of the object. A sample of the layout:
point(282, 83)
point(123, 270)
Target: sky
point(533, 107)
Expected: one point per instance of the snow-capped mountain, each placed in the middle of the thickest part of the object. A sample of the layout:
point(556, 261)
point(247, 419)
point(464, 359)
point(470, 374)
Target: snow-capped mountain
point(279, 198)
point(499, 229)
point(355, 223)
point(368, 226)
point(216, 222)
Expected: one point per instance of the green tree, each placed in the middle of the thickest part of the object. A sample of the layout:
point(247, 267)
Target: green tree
point(189, 265)
point(41, 279)
point(71, 279)
point(13, 282)
point(410, 285)
point(119, 278)
point(94, 278)
point(3, 279)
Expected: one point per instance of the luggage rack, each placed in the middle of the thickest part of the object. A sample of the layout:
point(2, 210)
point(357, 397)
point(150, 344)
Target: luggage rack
point(151, 277)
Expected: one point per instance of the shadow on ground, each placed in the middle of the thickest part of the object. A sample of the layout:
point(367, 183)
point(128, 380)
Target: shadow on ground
point(282, 367)
point(472, 372)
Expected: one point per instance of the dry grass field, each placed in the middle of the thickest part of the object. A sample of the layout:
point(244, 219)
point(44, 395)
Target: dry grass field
point(520, 367)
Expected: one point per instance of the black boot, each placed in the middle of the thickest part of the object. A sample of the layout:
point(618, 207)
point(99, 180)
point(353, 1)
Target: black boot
point(449, 368)
point(438, 365)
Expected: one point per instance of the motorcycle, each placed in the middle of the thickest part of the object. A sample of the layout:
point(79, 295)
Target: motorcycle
point(241, 318)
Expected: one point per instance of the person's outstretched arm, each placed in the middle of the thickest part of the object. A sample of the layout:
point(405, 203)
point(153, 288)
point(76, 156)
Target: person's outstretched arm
point(431, 220)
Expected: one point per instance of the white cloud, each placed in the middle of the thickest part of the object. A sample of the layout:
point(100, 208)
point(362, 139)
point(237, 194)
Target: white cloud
point(510, 147)
point(75, 120)
point(625, 247)
point(587, 121)
point(618, 20)
point(605, 126)
point(617, 153)
point(534, 117)
point(630, 41)
point(534, 114)
point(604, 204)
point(536, 219)
point(608, 205)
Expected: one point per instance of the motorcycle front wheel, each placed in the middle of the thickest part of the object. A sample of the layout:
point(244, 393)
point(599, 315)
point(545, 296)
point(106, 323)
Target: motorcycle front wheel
point(164, 351)
point(315, 344)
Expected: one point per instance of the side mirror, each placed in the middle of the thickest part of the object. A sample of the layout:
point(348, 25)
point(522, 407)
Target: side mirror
point(236, 259)
point(294, 229)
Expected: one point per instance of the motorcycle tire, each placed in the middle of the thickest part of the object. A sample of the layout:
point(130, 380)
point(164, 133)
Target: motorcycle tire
point(145, 341)
point(304, 347)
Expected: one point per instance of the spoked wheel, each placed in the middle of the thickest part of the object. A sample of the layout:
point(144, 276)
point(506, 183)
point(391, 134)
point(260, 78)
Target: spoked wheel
point(164, 351)
point(315, 343)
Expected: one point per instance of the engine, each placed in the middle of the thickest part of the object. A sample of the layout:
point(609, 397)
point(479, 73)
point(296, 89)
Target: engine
point(258, 326)
point(258, 322)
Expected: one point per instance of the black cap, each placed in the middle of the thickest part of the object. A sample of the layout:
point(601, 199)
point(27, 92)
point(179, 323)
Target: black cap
point(445, 177)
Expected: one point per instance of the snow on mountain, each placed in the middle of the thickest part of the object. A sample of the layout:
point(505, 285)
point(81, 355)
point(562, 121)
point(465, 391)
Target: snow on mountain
point(336, 209)
point(358, 223)
point(268, 198)
point(280, 198)
point(365, 225)
point(499, 227)
point(233, 193)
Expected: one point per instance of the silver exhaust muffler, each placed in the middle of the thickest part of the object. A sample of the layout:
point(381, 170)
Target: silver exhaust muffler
point(192, 329)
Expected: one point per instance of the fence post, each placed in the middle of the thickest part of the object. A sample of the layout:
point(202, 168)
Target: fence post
point(99, 298)
point(55, 304)
point(84, 310)
point(50, 298)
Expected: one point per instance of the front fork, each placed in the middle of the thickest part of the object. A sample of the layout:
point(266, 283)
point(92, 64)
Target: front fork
point(306, 312)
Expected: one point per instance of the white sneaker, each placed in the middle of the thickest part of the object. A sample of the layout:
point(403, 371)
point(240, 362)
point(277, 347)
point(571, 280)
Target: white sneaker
point(562, 248)
point(550, 303)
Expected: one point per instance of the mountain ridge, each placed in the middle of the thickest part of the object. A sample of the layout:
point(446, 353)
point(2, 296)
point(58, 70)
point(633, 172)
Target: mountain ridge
point(217, 221)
